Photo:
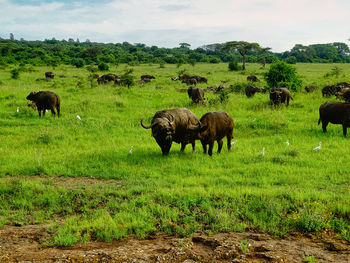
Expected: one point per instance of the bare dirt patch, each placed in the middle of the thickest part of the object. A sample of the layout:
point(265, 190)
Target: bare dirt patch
point(24, 244)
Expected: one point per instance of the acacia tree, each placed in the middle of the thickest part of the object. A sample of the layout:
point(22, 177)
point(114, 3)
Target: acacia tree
point(263, 52)
point(242, 47)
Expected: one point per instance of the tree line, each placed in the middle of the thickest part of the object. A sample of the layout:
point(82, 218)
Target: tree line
point(53, 52)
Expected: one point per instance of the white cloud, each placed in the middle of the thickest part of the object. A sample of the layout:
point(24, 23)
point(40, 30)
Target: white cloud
point(274, 23)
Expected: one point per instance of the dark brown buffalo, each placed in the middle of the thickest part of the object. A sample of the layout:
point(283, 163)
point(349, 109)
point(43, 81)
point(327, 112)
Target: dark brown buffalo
point(253, 78)
point(196, 94)
point(107, 78)
point(200, 79)
point(190, 81)
point(344, 94)
point(148, 77)
point(251, 90)
point(280, 95)
point(45, 100)
point(49, 75)
point(213, 126)
point(333, 89)
point(336, 113)
point(310, 88)
point(171, 125)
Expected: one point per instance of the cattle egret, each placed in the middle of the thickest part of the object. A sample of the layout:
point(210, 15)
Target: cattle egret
point(131, 149)
point(318, 147)
point(262, 153)
point(234, 142)
point(78, 117)
point(287, 142)
point(17, 109)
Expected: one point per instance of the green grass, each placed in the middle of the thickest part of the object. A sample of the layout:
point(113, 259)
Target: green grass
point(289, 189)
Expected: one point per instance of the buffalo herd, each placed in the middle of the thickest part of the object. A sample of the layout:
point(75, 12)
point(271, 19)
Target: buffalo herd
point(180, 125)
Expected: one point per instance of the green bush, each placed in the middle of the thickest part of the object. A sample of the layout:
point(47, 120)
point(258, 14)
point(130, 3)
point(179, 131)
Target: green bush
point(15, 73)
point(233, 66)
point(291, 60)
point(283, 75)
point(103, 66)
point(78, 62)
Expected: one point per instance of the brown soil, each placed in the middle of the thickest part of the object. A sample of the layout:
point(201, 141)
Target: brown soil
point(23, 244)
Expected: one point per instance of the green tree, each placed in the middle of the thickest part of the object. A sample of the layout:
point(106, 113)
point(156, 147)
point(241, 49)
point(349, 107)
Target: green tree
point(127, 79)
point(242, 47)
point(184, 45)
point(263, 53)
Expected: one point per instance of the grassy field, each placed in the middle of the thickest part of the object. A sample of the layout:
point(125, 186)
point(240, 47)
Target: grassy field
point(291, 188)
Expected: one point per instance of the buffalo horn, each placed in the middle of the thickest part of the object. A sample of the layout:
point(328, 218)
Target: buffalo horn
point(146, 127)
point(172, 119)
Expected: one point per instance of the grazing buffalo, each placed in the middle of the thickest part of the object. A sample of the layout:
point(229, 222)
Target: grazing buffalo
point(190, 81)
point(171, 125)
point(280, 95)
point(196, 94)
point(253, 78)
point(251, 90)
point(45, 100)
point(333, 89)
point(106, 78)
point(336, 113)
point(49, 75)
point(147, 77)
point(200, 79)
point(310, 88)
point(213, 126)
point(344, 94)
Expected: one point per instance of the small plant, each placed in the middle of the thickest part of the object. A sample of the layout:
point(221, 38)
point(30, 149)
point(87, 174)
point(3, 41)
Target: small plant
point(223, 96)
point(127, 79)
point(245, 246)
point(310, 259)
point(15, 73)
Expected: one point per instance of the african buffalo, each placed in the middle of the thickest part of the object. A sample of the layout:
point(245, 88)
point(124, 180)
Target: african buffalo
point(213, 126)
point(280, 95)
point(253, 78)
point(250, 90)
point(196, 94)
point(344, 94)
point(310, 88)
point(171, 125)
point(45, 100)
point(49, 75)
point(336, 113)
point(190, 81)
point(106, 78)
point(333, 89)
point(148, 77)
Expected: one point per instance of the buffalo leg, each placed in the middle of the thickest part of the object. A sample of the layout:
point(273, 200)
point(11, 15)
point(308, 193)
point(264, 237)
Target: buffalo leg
point(53, 113)
point(229, 138)
point(193, 145)
point(183, 146)
point(204, 147)
point(324, 126)
point(58, 110)
point(44, 110)
point(211, 146)
point(220, 143)
point(39, 111)
point(344, 129)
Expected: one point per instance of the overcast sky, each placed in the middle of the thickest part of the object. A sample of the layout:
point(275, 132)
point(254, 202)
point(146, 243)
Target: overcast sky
point(279, 24)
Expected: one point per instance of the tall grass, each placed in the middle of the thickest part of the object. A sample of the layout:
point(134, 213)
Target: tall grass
point(291, 188)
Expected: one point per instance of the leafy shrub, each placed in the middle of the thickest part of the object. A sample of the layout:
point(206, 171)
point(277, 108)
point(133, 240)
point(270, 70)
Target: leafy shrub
point(283, 75)
point(126, 79)
point(233, 66)
point(223, 96)
point(103, 66)
point(291, 60)
point(78, 62)
point(335, 72)
point(15, 73)
point(238, 87)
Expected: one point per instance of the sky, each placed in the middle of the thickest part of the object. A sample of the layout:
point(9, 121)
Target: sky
point(278, 24)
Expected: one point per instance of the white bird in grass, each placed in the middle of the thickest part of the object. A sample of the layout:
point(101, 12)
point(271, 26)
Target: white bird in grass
point(318, 147)
point(131, 149)
point(287, 142)
point(78, 117)
point(17, 109)
point(234, 142)
point(262, 153)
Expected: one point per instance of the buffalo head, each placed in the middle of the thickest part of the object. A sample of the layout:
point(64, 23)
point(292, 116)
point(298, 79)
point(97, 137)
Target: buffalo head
point(162, 130)
point(31, 96)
